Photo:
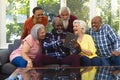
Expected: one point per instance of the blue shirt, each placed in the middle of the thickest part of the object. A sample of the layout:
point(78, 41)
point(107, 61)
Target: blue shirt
point(105, 39)
point(104, 73)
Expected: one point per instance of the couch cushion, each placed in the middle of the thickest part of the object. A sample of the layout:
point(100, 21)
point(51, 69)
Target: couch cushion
point(11, 47)
point(17, 43)
point(8, 68)
point(4, 56)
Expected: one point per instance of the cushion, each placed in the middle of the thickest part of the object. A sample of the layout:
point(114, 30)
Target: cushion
point(4, 56)
point(11, 47)
point(0, 62)
point(8, 68)
point(17, 43)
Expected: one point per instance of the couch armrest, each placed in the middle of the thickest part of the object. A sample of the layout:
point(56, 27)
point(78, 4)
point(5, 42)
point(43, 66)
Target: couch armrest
point(4, 56)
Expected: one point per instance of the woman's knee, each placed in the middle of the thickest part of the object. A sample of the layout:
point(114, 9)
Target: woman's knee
point(19, 62)
point(115, 60)
point(96, 61)
point(85, 61)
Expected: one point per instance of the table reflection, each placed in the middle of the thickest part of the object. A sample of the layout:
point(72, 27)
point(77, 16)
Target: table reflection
point(68, 73)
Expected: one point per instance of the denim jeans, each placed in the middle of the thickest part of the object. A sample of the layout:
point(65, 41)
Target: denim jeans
point(115, 60)
point(95, 61)
point(111, 61)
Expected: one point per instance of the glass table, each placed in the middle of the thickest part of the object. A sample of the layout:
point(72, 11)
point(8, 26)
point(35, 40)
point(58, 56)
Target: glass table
point(67, 73)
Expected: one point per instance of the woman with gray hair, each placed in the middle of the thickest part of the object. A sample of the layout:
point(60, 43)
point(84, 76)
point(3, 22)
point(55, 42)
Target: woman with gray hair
point(85, 41)
point(30, 47)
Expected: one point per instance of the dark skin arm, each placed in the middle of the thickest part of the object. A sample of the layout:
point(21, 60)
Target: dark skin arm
point(116, 53)
point(75, 45)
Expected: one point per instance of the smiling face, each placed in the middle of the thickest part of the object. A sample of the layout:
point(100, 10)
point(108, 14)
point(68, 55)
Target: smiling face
point(41, 34)
point(58, 25)
point(77, 29)
point(96, 23)
point(64, 15)
point(38, 15)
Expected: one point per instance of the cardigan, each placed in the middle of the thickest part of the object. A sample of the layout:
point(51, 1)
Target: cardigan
point(29, 24)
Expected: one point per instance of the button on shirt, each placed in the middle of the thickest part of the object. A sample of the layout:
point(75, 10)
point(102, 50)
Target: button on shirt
point(105, 39)
point(53, 45)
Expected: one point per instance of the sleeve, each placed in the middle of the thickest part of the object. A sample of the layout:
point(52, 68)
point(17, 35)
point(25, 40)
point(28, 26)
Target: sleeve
point(91, 45)
point(118, 49)
point(50, 43)
point(112, 36)
point(24, 30)
point(29, 39)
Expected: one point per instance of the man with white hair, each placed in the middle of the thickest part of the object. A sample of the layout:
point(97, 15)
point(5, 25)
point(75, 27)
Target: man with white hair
point(68, 18)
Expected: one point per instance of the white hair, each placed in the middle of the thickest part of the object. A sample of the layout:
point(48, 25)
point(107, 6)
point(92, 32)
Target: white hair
point(81, 23)
point(36, 29)
point(65, 9)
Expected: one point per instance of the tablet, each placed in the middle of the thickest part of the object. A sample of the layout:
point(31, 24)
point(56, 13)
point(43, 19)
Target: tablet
point(69, 37)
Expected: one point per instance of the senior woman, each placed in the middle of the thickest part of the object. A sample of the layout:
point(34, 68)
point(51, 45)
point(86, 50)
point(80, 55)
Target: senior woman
point(29, 48)
point(85, 41)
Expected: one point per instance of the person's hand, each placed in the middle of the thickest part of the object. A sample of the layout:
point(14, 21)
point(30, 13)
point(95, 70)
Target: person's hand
point(75, 45)
point(29, 64)
point(115, 72)
point(82, 54)
point(116, 53)
point(63, 40)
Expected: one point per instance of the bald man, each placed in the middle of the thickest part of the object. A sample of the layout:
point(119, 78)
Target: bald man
point(107, 42)
point(54, 49)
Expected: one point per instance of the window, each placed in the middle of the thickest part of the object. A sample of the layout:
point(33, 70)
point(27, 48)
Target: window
point(51, 8)
point(109, 11)
point(17, 11)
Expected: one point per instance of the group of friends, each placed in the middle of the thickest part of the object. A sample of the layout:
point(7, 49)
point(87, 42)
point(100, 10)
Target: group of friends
point(98, 45)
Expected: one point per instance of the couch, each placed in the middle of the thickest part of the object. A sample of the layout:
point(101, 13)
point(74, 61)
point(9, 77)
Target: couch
point(6, 68)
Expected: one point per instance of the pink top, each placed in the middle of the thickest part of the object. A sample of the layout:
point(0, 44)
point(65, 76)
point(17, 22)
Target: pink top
point(34, 48)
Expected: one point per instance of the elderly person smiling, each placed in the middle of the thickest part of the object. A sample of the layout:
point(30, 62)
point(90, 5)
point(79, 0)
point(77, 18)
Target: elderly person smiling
point(67, 18)
point(107, 42)
point(54, 50)
point(31, 46)
point(85, 41)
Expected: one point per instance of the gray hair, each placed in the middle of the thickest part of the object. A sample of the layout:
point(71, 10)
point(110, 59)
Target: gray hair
point(65, 9)
point(81, 23)
point(35, 29)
